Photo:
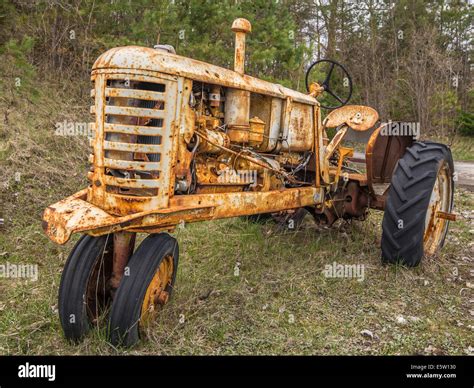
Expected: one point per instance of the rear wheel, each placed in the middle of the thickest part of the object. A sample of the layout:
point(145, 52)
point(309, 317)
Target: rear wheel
point(84, 292)
point(421, 190)
point(145, 287)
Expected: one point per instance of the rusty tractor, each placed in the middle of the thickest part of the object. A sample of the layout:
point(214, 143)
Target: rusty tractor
point(177, 140)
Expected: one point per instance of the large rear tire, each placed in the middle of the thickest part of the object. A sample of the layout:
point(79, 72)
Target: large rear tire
point(422, 185)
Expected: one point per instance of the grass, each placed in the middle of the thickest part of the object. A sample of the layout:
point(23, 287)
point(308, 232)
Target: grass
point(280, 302)
point(462, 147)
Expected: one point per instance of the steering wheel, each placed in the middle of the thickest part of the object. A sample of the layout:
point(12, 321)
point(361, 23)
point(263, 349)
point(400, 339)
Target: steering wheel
point(325, 84)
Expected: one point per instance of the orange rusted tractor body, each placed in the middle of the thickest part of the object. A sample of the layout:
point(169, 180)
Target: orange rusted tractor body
point(178, 140)
point(135, 186)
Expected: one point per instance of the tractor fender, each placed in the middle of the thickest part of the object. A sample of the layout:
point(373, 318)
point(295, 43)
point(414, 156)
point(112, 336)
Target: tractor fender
point(382, 154)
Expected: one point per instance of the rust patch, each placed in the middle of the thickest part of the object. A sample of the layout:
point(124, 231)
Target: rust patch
point(124, 243)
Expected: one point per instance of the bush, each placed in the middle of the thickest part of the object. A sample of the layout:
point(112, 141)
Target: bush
point(18, 74)
point(465, 123)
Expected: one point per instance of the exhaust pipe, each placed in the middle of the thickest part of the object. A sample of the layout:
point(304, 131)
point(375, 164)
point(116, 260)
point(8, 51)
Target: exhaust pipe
point(237, 104)
point(241, 27)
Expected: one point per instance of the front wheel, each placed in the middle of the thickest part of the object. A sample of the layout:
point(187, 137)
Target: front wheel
point(84, 292)
point(146, 285)
point(421, 191)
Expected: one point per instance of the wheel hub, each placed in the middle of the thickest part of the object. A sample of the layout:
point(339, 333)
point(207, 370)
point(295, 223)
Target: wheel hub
point(440, 202)
point(156, 294)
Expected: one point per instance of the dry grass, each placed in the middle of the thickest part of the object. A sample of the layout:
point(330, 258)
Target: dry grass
point(279, 304)
point(462, 147)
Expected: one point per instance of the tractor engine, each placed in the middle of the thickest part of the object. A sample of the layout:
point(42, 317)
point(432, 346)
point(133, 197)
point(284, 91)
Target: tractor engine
point(235, 145)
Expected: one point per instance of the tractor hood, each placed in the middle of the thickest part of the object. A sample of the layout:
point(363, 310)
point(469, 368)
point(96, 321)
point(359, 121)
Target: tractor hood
point(149, 59)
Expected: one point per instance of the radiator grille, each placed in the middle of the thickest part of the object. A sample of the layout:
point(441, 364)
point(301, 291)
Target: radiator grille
point(135, 137)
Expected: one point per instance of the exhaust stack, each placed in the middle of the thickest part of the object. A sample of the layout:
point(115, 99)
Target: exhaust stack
point(241, 27)
point(237, 106)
